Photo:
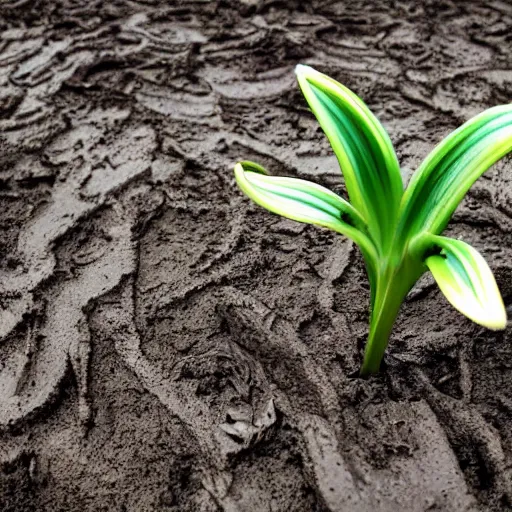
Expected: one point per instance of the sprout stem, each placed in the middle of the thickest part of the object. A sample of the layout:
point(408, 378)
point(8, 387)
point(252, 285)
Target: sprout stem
point(392, 287)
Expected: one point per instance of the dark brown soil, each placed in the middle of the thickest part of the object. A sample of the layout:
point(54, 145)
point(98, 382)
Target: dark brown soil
point(168, 346)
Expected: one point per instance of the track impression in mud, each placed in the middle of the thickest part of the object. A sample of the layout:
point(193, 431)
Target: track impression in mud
point(166, 345)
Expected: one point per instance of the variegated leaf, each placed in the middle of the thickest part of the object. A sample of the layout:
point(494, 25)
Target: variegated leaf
point(363, 148)
point(303, 201)
point(467, 282)
point(452, 167)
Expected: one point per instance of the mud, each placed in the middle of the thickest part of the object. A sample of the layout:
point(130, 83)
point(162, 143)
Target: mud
point(165, 345)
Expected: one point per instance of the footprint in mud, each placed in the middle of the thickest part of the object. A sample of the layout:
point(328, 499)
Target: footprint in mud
point(63, 337)
point(101, 170)
point(344, 479)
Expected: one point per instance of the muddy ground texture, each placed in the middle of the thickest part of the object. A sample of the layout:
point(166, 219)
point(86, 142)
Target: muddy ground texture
point(167, 345)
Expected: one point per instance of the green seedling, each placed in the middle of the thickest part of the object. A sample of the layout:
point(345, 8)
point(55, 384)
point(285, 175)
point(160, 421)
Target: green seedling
point(397, 231)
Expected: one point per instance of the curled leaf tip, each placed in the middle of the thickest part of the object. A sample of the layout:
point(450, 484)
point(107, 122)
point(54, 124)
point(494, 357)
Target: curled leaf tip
point(302, 69)
point(247, 165)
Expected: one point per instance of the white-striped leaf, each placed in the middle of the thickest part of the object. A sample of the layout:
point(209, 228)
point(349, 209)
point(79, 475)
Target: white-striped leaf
point(303, 201)
point(448, 172)
point(363, 148)
point(467, 282)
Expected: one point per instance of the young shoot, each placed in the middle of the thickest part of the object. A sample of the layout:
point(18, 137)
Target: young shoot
point(397, 231)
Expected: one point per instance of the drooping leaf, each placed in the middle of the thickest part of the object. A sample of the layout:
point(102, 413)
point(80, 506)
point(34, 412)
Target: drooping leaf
point(451, 168)
point(363, 148)
point(467, 281)
point(303, 201)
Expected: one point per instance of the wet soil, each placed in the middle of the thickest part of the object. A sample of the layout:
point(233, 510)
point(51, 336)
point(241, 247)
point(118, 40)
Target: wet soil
point(165, 345)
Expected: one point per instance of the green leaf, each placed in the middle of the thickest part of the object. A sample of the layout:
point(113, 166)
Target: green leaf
point(303, 201)
point(451, 168)
point(363, 148)
point(466, 281)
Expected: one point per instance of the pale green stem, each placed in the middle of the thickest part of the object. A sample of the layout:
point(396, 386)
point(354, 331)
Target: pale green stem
point(392, 287)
